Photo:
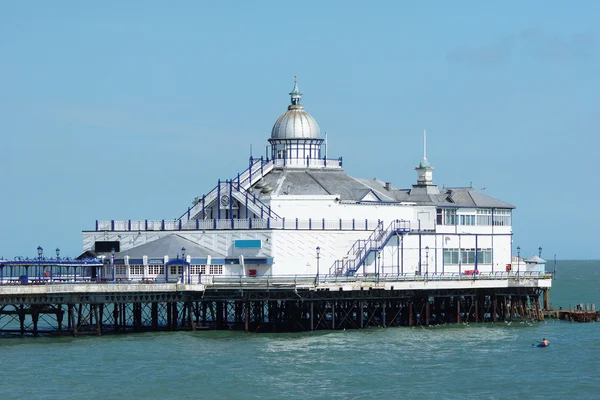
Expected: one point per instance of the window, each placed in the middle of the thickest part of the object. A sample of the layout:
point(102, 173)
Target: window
point(467, 256)
point(502, 217)
point(175, 269)
point(467, 219)
point(136, 269)
point(449, 216)
point(451, 256)
point(120, 270)
point(156, 269)
point(215, 269)
point(484, 216)
point(197, 269)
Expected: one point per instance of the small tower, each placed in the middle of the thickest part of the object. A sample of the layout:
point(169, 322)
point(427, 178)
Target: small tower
point(295, 137)
point(424, 169)
point(295, 93)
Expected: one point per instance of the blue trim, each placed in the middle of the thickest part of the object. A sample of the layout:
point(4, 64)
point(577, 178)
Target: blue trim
point(266, 260)
point(218, 200)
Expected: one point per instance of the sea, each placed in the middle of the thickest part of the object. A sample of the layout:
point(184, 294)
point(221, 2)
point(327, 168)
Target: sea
point(460, 361)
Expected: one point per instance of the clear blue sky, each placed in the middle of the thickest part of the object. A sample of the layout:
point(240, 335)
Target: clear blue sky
point(118, 110)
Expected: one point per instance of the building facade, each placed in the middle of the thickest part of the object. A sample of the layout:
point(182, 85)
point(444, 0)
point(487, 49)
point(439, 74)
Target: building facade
point(296, 212)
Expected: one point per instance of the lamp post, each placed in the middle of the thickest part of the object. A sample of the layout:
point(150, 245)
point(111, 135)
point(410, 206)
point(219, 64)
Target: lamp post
point(318, 258)
point(426, 261)
point(518, 260)
point(112, 262)
point(183, 265)
point(378, 264)
point(40, 251)
point(540, 252)
point(57, 250)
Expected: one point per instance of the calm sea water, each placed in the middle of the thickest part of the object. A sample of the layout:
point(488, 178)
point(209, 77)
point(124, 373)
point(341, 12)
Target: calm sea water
point(473, 361)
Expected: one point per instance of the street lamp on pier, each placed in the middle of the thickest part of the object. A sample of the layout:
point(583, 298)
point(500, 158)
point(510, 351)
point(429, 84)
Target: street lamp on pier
point(112, 262)
point(40, 251)
point(183, 265)
point(57, 250)
point(518, 260)
point(540, 252)
point(426, 261)
point(318, 258)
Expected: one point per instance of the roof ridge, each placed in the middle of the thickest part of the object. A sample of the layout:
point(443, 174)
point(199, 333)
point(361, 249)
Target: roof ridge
point(318, 183)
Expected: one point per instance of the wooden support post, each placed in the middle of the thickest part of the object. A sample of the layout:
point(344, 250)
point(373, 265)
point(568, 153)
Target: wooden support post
point(476, 299)
point(332, 314)
point(35, 315)
point(101, 314)
point(383, 319)
point(361, 313)
point(175, 314)
point(312, 314)
point(246, 316)
point(410, 314)
point(98, 322)
point(546, 299)
point(73, 319)
point(115, 317)
point(169, 316)
point(458, 321)
point(22, 319)
point(191, 323)
point(154, 315)
point(59, 317)
point(512, 309)
point(79, 314)
point(427, 314)
point(495, 309)
point(69, 316)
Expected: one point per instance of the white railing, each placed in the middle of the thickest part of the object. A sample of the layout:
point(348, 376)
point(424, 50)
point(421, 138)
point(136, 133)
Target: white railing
point(253, 223)
point(309, 163)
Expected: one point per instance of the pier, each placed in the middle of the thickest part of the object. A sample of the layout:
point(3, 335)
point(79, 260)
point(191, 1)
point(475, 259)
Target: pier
point(270, 304)
point(580, 314)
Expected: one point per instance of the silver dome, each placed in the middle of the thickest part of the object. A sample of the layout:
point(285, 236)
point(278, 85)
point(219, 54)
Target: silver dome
point(296, 123)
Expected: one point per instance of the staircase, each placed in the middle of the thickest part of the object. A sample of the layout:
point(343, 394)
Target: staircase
point(363, 251)
point(257, 169)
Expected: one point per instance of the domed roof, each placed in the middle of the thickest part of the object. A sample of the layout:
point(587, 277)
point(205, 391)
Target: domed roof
point(295, 123)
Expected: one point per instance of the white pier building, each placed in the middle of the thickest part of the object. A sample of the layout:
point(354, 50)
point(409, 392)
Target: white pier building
point(297, 212)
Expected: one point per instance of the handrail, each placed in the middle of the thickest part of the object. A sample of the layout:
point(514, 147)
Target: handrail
point(282, 281)
point(260, 163)
point(375, 242)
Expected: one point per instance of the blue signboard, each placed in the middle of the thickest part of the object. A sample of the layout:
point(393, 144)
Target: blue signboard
point(248, 244)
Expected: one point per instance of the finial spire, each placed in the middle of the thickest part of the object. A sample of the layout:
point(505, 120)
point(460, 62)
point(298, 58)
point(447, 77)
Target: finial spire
point(295, 93)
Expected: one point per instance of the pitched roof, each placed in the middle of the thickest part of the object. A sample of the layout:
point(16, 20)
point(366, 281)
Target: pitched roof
point(337, 182)
point(169, 245)
point(535, 259)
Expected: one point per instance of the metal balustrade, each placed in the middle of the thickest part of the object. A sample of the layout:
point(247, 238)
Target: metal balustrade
point(257, 169)
point(82, 276)
point(250, 223)
point(363, 248)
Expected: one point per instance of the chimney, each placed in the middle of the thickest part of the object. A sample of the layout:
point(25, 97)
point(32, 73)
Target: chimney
point(388, 186)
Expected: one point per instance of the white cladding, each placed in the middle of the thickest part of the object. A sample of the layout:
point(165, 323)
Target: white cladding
point(338, 226)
